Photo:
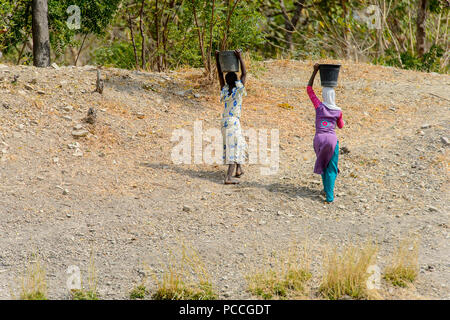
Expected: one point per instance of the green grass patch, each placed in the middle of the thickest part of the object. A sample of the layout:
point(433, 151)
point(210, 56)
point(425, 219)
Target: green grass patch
point(404, 267)
point(139, 292)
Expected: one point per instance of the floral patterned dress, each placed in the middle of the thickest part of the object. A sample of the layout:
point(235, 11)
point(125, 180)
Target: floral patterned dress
point(234, 145)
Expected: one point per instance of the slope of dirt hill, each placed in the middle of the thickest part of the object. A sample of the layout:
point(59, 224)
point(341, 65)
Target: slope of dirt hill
point(115, 191)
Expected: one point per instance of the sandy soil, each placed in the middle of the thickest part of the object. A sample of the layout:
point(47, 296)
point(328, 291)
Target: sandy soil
point(118, 193)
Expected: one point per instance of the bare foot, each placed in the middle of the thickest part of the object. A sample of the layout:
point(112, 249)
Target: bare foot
point(239, 171)
point(238, 175)
point(231, 181)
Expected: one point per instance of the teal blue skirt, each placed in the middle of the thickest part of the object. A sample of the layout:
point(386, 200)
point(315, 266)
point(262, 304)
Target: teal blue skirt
point(330, 174)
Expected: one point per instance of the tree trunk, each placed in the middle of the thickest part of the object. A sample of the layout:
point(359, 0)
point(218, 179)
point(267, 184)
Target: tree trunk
point(346, 30)
point(41, 38)
point(421, 35)
point(141, 28)
point(290, 24)
point(133, 41)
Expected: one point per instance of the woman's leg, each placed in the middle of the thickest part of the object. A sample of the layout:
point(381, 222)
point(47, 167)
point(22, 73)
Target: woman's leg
point(239, 171)
point(229, 179)
point(330, 174)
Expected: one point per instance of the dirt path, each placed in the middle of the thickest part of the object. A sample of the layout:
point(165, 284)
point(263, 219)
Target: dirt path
point(118, 192)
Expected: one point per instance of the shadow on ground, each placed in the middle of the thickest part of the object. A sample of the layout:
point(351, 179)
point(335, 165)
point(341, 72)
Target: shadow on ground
point(217, 176)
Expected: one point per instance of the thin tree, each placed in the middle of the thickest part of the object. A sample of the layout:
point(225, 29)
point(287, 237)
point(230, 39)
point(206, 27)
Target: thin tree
point(290, 23)
point(41, 38)
point(421, 34)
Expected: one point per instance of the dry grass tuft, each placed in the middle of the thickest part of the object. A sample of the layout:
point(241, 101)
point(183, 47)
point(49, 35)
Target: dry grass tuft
point(91, 292)
point(185, 278)
point(33, 282)
point(346, 272)
point(285, 277)
point(404, 267)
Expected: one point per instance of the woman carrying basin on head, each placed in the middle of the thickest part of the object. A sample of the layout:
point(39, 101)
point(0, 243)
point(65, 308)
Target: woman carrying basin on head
point(326, 145)
point(234, 145)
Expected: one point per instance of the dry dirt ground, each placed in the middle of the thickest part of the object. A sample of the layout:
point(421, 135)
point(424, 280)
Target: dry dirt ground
point(116, 192)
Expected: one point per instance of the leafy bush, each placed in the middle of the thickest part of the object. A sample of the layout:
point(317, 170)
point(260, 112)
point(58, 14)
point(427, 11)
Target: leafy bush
point(119, 55)
point(429, 62)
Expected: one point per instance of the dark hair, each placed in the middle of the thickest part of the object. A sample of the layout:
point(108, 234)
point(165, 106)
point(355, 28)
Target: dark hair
point(230, 79)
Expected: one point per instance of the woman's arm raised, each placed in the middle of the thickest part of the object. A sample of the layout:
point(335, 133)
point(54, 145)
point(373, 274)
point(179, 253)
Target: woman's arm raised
point(243, 69)
point(309, 89)
point(219, 71)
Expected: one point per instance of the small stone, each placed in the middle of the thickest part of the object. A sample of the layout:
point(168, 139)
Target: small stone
point(250, 210)
point(80, 133)
point(279, 213)
point(445, 141)
point(65, 192)
point(67, 108)
point(425, 126)
point(74, 145)
point(140, 115)
point(55, 66)
point(91, 117)
point(78, 127)
point(432, 209)
point(78, 153)
point(28, 87)
point(187, 209)
point(184, 93)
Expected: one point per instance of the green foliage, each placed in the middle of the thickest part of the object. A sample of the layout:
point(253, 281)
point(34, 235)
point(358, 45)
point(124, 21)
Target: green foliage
point(118, 54)
point(170, 38)
point(430, 62)
point(84, 295)
point(95, 17)
point(139, 292)
point(246, 28)
point(180, 291)
point(271, 285)
point(16, 18)
point(34, 296)
point(183, 46)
